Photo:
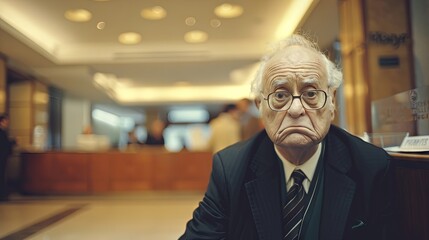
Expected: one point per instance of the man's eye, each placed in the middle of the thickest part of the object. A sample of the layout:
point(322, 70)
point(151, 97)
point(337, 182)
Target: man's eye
point(310, 94)
point(281, 95)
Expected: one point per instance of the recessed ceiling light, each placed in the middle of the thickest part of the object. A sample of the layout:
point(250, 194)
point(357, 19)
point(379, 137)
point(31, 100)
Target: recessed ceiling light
point(153, 13)
point(215, 23)
point(196, 36)
point(227, 10)
point(101, 25)
point(129, 38)
point(182, 83)
point(78, 15)
point(190, 21)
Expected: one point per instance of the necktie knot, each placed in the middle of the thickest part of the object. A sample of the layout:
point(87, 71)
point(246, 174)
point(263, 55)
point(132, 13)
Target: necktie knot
point(298, 176)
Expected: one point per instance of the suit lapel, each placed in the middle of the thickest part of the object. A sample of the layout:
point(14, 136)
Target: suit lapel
point(264, 192)
point(339, 190)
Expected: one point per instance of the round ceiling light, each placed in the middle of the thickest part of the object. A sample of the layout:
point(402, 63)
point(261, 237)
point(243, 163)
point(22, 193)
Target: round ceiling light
point(215, 23)
point(196, 36)
point(129, 38)
point(227, 10)
point(101, 25)
point(78, 15)
point(190, 21)
point(153, 13)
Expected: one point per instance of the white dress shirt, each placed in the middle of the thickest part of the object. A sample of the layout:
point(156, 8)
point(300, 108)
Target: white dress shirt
point(309, 167)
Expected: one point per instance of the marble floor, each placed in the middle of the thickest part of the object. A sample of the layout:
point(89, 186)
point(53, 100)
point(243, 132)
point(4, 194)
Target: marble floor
point(149, 215)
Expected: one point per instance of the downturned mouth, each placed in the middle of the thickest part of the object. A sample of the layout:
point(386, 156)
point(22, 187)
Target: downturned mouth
point(283, 133)
point(294, 129)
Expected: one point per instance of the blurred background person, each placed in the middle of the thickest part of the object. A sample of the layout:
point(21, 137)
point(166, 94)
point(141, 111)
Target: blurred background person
point(250, 123)
point(133, 141)
point(89, 141)
point(225, 128)
point(155, 135)
point(87, 130)
point(132, 138)
point(198, 139)
point(6, 148)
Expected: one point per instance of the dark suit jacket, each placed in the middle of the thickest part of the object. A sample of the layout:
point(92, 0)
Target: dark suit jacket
point(243, 196)
point(6, 145)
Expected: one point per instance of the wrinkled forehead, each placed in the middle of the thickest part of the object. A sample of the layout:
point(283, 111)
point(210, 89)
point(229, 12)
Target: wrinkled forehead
point(295, 64)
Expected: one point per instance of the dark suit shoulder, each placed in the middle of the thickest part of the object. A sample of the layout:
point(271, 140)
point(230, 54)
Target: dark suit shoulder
point(364, 155)
point(357, 145)
point(236, 158)
point(374, 199)
point(238, 161)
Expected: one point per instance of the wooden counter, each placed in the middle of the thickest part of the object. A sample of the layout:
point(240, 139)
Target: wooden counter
point(69, 172)
point(412, 181)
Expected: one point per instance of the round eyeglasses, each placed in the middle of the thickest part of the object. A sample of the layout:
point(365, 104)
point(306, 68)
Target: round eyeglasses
point(282, 100)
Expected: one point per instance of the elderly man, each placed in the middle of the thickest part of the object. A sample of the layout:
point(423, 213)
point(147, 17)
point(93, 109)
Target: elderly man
point(301, 178)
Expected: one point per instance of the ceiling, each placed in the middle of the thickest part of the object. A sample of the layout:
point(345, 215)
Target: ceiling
point(162, 69)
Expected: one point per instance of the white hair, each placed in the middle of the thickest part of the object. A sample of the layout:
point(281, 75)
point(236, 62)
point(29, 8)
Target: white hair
point(335, 76)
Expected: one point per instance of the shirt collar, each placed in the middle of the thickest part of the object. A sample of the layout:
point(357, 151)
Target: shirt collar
point(309, 167)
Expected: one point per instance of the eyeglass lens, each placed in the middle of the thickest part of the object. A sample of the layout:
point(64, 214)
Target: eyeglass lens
point(282, 100)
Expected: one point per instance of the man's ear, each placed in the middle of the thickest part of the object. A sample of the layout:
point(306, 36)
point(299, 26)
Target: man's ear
point(334, 97)
point(257, 102)
point(333, 102)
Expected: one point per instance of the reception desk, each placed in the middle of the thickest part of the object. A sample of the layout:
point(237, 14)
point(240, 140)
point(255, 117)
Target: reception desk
point(68, 172)
point(412, 181)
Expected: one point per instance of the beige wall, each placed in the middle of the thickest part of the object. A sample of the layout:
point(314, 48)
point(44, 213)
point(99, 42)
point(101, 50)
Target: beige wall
point(28, 109)
point(420, 27)
point(20, 112)
point(75, 117)
point(365, 79)
point(352, 39)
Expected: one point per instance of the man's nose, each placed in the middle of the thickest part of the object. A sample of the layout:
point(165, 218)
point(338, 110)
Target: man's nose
point(296, 109)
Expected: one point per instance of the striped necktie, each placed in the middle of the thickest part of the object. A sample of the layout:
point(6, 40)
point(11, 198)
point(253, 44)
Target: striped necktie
point(294, 209)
